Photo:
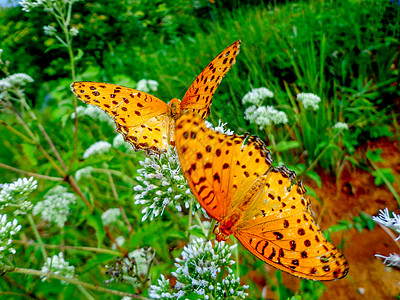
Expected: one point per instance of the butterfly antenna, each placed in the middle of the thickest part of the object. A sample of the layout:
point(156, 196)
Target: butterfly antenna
point(187, 86)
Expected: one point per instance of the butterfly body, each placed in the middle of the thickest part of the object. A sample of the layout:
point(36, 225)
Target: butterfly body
point(147, 122)
point(262, 206)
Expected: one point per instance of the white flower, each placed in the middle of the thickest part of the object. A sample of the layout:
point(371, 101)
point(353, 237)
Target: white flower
point(200, 271)
point(143, 258)
point(119, 143)
point(256, 96)
point(14, 80)
point(73, 31)
point(146, 86)
point(385, 219)
point(391, 260)
point(56, 205)
point(49, 30)
point(110, 216)
point(265, 116)
point(309, 100)
point(16, 193)
point(59, 266)
point(159, 184)
point(7, 231)
point(5, 84)
point(94, 112)
point(220, 127)
point(120, 240)
point(83, 173)
point(97, 148)
point(341, 126)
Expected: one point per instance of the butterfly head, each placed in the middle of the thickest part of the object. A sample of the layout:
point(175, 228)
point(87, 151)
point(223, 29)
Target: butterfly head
point(175, 108)
point(220, 234)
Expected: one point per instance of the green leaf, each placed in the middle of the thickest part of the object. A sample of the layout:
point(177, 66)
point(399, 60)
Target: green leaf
point(196, 231)
point(94, 220)
point(375, 156)
point(79, 55)
point(314, 176)
point(285, 146)
point(383, 173)
point(29, 151)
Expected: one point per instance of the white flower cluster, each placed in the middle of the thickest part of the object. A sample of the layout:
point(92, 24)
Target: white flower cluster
point(110, 216)
point(15, 194)
point(393, 223)
point(256, 96)
point(97, 148)
point(83, 173)
point(132, 269)
point(48, 5)
point(143, 258)
point(120, 144)
point(93, 112)
point(14, 80)
point(393, 260)
point(56, 205)
point(265, 116)
point(7, 230)
point(49, 30)
point(341, 126)
point(199, 274)
point(309, 100)
point(59, 266)
point(147, 86)
point(385, 219)
point(220, 127)
point(262, 115)
point(162, 183)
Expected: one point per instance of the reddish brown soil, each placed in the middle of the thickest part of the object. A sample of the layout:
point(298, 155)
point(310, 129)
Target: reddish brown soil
point(352, 193)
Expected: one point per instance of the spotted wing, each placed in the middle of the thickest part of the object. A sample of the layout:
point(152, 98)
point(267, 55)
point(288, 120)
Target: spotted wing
point(278, 228)
point(142, 119)
point(216, 165)
point(198, 98)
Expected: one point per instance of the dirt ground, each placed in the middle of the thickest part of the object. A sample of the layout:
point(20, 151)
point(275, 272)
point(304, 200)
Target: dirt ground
point(355, 192)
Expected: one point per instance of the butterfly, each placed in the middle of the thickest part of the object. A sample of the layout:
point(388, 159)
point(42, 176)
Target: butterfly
point(262, 206)
point(144, 120)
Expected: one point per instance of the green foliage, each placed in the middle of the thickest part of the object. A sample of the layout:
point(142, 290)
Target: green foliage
point(363, 221)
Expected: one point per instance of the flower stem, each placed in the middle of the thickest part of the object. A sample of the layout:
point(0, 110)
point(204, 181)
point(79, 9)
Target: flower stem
point(76, 248)
point(30, 173)
point(37, 235)
point(74, 281)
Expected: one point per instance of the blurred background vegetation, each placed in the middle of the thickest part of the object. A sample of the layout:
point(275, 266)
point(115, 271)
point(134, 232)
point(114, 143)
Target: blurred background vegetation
point(344, 51)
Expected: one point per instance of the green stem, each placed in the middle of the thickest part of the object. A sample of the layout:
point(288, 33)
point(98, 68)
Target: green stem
point(115, 172)
point(43, 131)
point(310, 167)
point(211, 231)
point(16, 132)
point(76, 248)
point(85, 292)
point(30, 173)
point(385, 180)
point(37, 235)
point(75, 281)
point(196, 215)
point(190, 216)
point(71, 180)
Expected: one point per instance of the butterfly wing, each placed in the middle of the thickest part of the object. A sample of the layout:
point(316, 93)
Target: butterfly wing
point(278, 228)
point(198, 97)
point(210, 163)
point(142, 119)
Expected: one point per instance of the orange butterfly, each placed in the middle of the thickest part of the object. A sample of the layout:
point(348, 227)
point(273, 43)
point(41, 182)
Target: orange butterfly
point(232, 178)
point(147, 122)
